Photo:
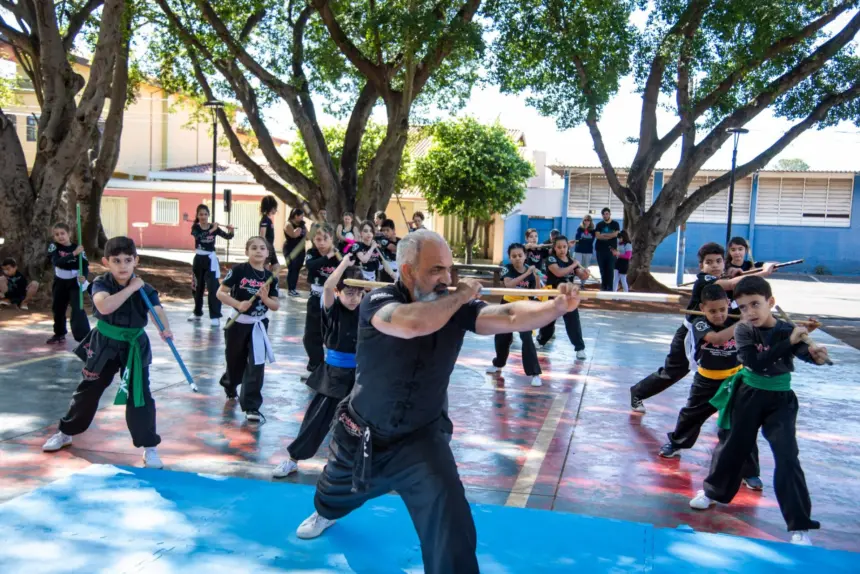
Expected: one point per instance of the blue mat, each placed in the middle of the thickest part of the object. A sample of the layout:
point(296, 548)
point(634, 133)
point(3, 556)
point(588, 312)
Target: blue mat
point(119, 519)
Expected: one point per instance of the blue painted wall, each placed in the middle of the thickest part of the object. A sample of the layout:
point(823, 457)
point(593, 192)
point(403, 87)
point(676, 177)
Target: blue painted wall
point(515, 227)
point(834, 248)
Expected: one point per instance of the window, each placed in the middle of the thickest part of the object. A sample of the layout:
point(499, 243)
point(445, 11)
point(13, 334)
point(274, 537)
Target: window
point(165, 211)
point(807, 201)
point(716, 208)
point(32, 129)
point(591, 193)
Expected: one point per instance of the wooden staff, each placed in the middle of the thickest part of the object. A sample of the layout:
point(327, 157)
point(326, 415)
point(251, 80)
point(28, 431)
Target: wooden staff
point(805, 338)
point(604, 295)
point(756, 270)
point(80, 258)
point(702, 314)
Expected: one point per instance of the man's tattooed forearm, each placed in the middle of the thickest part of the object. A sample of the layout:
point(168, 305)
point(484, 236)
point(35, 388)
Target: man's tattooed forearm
point(387, 312)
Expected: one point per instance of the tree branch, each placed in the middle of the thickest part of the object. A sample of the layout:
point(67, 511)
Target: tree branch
point(683, 89)
point(352, 140)
point(443, 47)
point(110, 143)
point(712, 188)
point(77, 21)
point(19, 39)
point(252, 22)
point(368, 69)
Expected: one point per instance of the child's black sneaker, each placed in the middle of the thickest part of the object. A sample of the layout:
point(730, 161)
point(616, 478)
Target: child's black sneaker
point(56, 340)
point(669, 451)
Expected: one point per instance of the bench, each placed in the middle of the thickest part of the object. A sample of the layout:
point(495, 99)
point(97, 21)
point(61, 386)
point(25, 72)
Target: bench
point(478, 270)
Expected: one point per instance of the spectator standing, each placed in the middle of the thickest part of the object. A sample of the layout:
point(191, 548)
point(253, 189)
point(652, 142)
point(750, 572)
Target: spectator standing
point(606, 235)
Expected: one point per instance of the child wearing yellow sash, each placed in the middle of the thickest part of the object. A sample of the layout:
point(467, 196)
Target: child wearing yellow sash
point(118, 342)
point(518, 275)
point(717, 359)
point(760, 397)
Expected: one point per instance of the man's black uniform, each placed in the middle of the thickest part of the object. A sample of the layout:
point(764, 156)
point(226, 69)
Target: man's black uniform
point(65, 290)
point(390, 434)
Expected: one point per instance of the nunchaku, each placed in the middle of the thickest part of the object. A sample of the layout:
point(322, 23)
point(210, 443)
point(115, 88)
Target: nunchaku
point(169, 341)
point(80, 257)
point(751, 271)
point(805, 338)
point(703, 314)
point(604, 295)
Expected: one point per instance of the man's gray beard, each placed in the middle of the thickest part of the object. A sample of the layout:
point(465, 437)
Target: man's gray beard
point(426, 297)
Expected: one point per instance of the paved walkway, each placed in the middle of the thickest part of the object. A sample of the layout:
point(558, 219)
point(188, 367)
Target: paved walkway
point(571, 445)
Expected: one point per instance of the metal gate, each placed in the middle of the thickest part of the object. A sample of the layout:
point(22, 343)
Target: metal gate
point(244, 217)
point(114, 214)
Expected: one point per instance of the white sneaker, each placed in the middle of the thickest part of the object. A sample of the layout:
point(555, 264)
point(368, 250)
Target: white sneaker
point(536, 382)
point(701, 502)
point(581, 356)
point(4, 303)
point(150, 458)
point(313, 526)
point(24, 307)
point(493, 369)
point(215, 322)
point(194, 319)
point(801, 538)
point(285, 469)
point(56, 442)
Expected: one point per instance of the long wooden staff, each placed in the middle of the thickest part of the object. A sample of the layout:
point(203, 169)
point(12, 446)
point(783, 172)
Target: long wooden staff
point(756, 270)
point(605, 295)
point(702, 314)
point(80, 257)
point(805, 338)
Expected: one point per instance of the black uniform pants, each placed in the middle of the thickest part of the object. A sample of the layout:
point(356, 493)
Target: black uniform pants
point(204, 278)
point(65, 292)
point(675, 367)
point(241, 369)
point(775, 413)
point(571, 325)
point(529, 352)
point(606, 263)
point(694, 414)
point(315, 427)
point(421, 468)
point(293, 269)
point(313, 338)
point(85, 403)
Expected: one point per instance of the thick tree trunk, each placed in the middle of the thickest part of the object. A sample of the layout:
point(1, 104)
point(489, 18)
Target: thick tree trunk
point(469, 240)
point(377, 182)
point(645, 241)
point(16, 194)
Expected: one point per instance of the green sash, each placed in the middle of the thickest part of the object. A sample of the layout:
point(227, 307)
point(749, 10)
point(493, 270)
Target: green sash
point(133, 372)
point(723, 396)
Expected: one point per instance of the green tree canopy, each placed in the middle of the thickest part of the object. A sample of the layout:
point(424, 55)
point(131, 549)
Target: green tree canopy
point(792, 164)
point(715, 64)
point(473, 171)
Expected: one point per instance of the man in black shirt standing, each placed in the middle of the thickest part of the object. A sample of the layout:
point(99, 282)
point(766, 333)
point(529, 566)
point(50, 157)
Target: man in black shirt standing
point(606, 233)
point(390, 433)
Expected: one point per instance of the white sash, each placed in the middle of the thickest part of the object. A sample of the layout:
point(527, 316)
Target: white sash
point(214, 266)
point(368, 275)
point(259, 338)
point(316, 289)
point(66, 273)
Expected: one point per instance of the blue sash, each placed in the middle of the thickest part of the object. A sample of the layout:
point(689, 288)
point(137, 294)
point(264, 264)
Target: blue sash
point(339, 359)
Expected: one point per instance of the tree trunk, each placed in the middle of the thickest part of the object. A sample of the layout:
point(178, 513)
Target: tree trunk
point(645, 241)
point(16, 199)
point(377, 182)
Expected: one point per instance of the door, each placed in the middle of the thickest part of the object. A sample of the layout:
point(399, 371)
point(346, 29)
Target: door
point(543, 226)
point(114, 214)
point(244, 216)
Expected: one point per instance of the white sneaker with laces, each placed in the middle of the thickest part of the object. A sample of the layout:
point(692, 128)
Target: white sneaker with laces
point(313, 526)
point(56, 442)
point(194, 319)
point(215, 322)
point(492, 369)
point(285, 469)
point(701, 502)
point(536, 382)
point(150, 458)
point(581, 356)
point(801, 538)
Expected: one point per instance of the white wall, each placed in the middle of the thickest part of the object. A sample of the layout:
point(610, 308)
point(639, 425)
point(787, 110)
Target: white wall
point(541, 202)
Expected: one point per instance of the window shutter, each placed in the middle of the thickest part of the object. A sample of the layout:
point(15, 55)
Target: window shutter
point(767, 204)
point(578, 202)
point(165, 211)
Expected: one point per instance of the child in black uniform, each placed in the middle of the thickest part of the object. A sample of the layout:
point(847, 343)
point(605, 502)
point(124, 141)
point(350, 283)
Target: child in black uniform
point(388, 248)
point(717, 357)
point(332, 380)
point(118, 342)
point(67, 284)
point(14, 289)
point(760, 397)
point(681, 349)
point(535, 254)
point(367, 252)
point(522, 276)
point(561, 268)
point(268, 210)
point(205, 269)
point(321, 261)
point(247, 343)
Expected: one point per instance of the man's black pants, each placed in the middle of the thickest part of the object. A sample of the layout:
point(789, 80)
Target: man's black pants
point(606, 263)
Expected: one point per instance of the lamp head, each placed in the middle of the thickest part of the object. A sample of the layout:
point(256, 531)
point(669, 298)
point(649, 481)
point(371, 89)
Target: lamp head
point(214, 104)
point(738, 131)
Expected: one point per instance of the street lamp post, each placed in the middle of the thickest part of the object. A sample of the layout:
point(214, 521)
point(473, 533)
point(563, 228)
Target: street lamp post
point(736, 132)
point(214, 105)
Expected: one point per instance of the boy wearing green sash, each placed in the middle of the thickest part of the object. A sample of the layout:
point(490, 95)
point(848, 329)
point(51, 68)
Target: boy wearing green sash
point(760, 397)
point(118, 342)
